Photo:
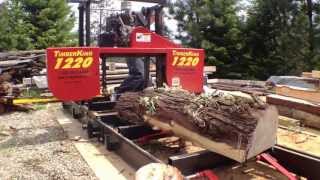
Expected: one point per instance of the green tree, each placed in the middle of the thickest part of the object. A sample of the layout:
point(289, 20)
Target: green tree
point(214, 26)
point(36, 24)
point(51, 20)
point(316, 33)
point(14, 30)
point(277, 38)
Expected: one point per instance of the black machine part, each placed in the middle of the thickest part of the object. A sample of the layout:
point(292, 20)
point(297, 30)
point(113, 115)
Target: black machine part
point(117, 34)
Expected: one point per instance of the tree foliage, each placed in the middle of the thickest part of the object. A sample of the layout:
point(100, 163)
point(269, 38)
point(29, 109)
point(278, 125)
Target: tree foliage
point(276, 37)
point(212, 25)
point(14, 30)
point(29, 24)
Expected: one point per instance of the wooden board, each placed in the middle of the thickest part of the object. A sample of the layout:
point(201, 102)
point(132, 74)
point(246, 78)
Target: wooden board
point(307, 74)
point(106, 165)
point(288, 122)
point(239, 82)
point(305, 94)
point(293, 103)
point(301, 139)
point(305, 119)
point(315, 74)
point(307, 112)
point(209, 69)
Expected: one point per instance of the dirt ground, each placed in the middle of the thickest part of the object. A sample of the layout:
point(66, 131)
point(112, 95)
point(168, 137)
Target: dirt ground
point(34, 146)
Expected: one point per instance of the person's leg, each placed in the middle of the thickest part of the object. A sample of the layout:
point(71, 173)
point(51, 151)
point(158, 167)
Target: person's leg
point(135, 81)
point(136, 66)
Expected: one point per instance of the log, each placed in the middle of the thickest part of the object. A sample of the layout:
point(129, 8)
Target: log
point(158, 171)
point(236, 125)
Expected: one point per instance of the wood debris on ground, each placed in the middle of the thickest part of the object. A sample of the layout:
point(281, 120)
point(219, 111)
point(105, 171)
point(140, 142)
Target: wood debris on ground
point(14, 68)
point(304, 140)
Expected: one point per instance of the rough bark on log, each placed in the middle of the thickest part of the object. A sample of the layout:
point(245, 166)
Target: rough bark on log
point(219, 117)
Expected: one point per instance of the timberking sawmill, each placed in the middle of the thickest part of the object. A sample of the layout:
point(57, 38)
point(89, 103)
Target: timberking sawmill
point(165, 100)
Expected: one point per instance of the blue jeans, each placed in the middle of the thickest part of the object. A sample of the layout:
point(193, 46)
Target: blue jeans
point(135, 81)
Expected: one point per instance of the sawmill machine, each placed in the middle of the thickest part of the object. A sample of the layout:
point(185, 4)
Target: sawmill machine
point(79, 75)
point(74, 72)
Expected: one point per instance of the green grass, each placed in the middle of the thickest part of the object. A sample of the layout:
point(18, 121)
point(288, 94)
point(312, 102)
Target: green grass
point(31, 93)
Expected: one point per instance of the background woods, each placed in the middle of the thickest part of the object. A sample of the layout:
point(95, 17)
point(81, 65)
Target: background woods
point(35, 24)
point(245, 39)
point(252, 39)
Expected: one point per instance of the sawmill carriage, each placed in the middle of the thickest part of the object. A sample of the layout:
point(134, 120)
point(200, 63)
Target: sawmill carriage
point(84, 85)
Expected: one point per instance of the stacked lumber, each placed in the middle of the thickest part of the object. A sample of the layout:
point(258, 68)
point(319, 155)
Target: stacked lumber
point(22, 64)
point(236, 125)
point(312, 95)
point(313, 74)
point(14, 67)
point(304, 88)
point(306, 112)
point(250, 87)
point(118, 72)
point(297, 98)
point(117, 76)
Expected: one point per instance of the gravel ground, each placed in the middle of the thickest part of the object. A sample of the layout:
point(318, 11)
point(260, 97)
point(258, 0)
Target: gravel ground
point(33, 146)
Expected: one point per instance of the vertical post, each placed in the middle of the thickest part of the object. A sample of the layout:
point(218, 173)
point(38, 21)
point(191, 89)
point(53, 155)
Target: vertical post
point(159, 20)
point(88, 33)
point(147, 59)
point(81, 23)
point(100, 23)
point(160, 61)
point(104, 74)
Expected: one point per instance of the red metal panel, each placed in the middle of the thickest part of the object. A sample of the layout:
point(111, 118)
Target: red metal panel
point(187, 71)
point(144, 38)
point(268, 158)
point(132, 51)
point(184, 68)
point(73, 73)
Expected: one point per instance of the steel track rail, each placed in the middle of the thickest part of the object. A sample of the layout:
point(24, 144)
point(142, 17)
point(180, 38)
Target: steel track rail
point(120, 140)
